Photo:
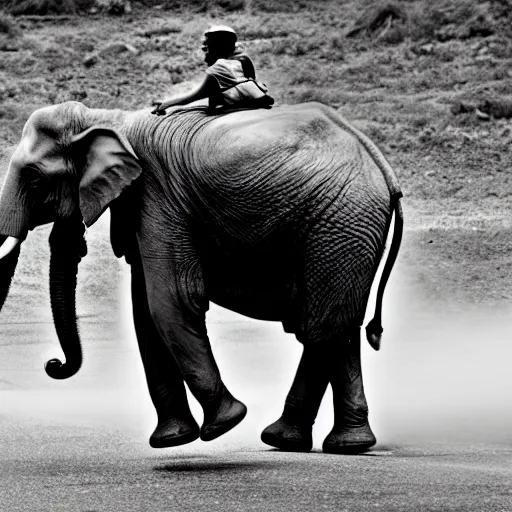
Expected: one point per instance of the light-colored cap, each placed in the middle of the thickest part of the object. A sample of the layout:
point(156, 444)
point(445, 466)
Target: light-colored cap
point(219, 29)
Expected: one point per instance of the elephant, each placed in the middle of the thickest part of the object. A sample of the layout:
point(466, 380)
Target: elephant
point(280, 215)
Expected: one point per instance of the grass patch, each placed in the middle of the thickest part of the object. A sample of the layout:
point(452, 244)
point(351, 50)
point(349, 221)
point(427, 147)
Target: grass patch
point(288, 6)
point(44, 7)
point(161, 31)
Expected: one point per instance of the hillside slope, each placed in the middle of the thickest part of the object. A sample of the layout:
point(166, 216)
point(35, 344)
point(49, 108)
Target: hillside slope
point(401, 79)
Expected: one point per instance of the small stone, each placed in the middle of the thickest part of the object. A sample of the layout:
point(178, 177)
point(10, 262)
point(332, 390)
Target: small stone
point(118, 48)
point(426, 49)
point(91, 60)
point(482, 115)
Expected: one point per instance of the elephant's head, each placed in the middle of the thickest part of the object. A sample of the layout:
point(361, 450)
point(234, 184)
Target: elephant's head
point(68, 167)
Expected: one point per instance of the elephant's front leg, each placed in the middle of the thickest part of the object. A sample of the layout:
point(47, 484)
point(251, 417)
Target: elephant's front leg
point(176, 425)
point(351, 432)
point(178, 309)
point(293, 430)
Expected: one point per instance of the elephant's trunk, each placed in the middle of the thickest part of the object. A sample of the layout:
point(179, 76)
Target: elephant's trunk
point(67, 247)
point(7, 268)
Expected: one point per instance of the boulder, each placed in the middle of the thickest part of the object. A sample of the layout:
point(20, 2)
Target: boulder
point(499, 108)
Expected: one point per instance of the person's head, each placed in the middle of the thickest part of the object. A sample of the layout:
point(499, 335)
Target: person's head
point(219, 42)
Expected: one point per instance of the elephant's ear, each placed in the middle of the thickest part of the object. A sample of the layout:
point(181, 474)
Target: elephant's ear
point(108, 165)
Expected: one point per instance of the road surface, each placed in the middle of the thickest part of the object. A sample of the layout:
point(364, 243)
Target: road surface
point(439, 394)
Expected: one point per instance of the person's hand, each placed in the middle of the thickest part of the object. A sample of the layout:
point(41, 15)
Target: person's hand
point(159, 111)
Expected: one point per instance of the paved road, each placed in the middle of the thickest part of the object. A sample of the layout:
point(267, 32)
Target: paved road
point(438, 392)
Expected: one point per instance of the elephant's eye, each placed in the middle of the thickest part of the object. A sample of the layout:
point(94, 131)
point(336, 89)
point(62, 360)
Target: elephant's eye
point(49, 132)
point(31, 172)
point(33, 179)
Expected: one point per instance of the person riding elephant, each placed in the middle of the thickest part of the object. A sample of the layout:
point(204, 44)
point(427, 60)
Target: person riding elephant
point(230, 80)
point(278, 214)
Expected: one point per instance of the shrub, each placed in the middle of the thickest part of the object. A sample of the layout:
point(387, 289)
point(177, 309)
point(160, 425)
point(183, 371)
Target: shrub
point(8, 27)
point(174, 4)
point(196, 5)
point(232, 5)
point(378, 19)
point(449, 19)
point(11, 37)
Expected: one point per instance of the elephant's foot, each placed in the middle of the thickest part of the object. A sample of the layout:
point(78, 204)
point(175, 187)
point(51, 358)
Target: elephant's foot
point(227, 413)
point(174, 432)
point(288, 436)
point(349, 440)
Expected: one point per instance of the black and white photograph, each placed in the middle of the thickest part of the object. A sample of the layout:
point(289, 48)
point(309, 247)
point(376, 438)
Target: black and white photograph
point(255, 255)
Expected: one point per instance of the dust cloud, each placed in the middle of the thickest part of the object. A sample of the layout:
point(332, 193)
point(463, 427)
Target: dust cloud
point(442, 374)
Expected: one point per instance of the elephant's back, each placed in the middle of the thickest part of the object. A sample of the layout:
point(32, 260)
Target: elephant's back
point(290, 128)
point(303, 142)
point(269, 165)
point(294, 192)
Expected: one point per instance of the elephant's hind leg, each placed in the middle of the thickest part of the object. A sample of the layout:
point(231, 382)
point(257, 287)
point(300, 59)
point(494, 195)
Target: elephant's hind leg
point(176, 425)
point(351, 432)
point(293, 430)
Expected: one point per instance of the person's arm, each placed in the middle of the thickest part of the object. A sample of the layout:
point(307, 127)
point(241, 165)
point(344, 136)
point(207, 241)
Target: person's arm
point(248, 67)
point(203, 91)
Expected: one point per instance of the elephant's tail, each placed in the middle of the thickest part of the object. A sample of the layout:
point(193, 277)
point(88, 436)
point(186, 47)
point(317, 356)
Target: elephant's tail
point(374, 327)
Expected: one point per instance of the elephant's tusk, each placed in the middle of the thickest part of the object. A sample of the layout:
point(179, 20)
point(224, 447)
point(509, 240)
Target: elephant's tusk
point(8, 246)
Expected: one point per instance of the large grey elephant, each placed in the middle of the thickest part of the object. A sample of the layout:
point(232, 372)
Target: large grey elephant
point(276, 214)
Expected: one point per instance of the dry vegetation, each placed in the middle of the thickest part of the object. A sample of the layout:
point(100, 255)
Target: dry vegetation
point(398, 72)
